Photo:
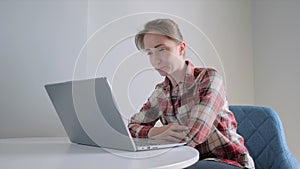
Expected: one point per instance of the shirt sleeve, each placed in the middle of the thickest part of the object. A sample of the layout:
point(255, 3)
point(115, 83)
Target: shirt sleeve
point(140, 123)
point(209, 101)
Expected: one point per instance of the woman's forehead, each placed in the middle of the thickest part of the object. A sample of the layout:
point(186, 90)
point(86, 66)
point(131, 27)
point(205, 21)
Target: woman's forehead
point(152, 40)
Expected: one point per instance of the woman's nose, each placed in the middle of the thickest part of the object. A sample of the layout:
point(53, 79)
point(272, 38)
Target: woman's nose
point(156, 59)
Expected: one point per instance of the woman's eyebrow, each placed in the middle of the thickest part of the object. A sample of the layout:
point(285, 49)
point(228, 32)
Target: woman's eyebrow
point(156, 46)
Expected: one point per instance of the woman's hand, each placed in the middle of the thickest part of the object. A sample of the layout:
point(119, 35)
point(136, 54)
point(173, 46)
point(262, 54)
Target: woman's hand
point(171, 132)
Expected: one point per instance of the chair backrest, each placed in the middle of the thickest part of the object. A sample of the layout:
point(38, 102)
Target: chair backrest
point(264, 137)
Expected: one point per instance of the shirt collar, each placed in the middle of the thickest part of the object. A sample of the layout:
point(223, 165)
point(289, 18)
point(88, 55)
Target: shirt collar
point(189, 78)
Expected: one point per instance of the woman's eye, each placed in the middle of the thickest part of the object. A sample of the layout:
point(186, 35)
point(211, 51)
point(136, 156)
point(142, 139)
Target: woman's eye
point(149, 53)
point(161, 49)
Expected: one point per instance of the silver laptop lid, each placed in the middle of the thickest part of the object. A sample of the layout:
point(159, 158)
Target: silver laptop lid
point(92, 107)
point(61, 98)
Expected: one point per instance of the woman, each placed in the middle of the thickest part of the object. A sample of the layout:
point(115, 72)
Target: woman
point(190, 102)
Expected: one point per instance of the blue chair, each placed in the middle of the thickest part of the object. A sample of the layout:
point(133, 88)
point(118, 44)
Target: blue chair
point(264, 137)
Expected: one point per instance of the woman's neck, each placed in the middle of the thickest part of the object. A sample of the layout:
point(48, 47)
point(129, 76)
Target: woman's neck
point(178, 76)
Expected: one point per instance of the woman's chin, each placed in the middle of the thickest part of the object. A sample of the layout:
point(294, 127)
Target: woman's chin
point(162, 73)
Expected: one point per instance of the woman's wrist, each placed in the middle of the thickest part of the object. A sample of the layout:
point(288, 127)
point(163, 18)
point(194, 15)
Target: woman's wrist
point(151, 132)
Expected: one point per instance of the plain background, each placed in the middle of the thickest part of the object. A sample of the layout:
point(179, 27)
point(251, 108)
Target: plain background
point(43, 41)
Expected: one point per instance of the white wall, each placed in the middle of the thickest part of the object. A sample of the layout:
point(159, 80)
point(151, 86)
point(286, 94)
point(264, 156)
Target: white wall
point(39, 44)
point(276, 62)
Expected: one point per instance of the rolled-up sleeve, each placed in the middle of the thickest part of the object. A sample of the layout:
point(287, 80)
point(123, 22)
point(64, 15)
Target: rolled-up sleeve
point(140, 123)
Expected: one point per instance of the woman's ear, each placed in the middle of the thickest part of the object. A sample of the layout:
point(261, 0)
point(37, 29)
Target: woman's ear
point(182, 47)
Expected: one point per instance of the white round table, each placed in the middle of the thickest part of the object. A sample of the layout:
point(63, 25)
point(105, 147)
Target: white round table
point(59, 153)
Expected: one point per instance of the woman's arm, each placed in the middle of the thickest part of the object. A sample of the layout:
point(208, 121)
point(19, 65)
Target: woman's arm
point(142, 123)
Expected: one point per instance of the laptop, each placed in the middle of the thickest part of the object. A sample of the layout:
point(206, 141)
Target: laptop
point(90, 116)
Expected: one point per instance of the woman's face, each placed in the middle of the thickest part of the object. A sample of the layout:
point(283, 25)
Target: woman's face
point(165, 55)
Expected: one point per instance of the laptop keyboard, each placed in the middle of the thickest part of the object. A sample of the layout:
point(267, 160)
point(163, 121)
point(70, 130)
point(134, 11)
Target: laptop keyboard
point(150, 142)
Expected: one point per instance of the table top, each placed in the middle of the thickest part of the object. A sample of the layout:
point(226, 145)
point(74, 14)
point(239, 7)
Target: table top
point(59, 153)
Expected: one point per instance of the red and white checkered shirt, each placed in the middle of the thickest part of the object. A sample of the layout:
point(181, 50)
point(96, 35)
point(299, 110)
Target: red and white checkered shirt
point(199, 103)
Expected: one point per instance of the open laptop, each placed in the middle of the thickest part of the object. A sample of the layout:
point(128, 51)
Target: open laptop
point(90, 116)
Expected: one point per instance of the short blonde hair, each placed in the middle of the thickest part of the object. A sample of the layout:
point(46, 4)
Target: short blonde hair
point(166, 27)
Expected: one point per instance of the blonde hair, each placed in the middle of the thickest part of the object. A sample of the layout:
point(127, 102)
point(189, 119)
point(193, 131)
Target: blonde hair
point(166, 27)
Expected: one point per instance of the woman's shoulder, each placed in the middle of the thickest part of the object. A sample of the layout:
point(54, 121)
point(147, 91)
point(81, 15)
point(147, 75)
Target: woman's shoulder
point(201, 71)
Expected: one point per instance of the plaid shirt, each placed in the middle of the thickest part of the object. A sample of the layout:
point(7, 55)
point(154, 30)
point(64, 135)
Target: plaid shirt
point(199, 103)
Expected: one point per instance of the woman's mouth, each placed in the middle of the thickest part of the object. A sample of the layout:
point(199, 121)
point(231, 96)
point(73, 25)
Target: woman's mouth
point(161, 68)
